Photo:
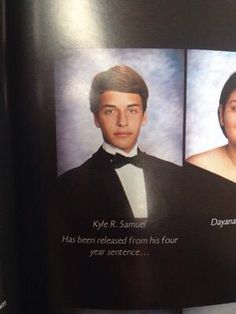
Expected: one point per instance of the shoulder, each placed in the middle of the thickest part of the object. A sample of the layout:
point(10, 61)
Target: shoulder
point(89, 169)
point(207, 159)
point(161, 168)
point(77, 174)
point(155, 161)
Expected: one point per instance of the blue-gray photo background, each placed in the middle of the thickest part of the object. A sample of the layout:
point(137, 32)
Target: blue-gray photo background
point(163, 71)
point(207, 72)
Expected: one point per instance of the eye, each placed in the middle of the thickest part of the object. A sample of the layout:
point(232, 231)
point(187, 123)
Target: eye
point(231, 105)
point(108, 111)
point(133, 110)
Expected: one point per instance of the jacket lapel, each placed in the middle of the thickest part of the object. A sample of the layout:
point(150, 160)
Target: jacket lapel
point(156, 194)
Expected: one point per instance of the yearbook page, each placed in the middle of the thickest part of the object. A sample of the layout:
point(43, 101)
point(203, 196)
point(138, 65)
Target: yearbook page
point(122, 116)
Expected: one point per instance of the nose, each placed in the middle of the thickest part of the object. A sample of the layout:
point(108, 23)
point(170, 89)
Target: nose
point(122, 119)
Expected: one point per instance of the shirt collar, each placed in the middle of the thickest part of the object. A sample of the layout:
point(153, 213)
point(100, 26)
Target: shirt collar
point(114, 150)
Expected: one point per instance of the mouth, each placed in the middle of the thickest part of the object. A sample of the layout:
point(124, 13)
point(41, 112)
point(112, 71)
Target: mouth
point(122, 134)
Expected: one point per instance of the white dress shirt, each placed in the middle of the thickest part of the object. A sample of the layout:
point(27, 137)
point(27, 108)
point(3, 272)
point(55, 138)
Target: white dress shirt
point(132, 180)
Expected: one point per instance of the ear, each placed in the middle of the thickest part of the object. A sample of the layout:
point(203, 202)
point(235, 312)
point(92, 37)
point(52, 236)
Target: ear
point(144, 119)
point(221, 115)
point(95, 118)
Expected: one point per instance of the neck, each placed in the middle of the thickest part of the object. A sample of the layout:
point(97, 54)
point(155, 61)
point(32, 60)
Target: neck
point(231, 152)
point(113, 150)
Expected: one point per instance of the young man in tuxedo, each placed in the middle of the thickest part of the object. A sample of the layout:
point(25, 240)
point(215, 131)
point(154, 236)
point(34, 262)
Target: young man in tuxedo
point(119, 181)
point(119, 193)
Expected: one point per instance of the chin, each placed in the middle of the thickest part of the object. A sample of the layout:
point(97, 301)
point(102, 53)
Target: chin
point(123, 146)
point(125, 149)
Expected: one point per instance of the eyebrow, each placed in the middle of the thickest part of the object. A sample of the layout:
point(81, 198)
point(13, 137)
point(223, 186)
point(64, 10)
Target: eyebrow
point(114, 106)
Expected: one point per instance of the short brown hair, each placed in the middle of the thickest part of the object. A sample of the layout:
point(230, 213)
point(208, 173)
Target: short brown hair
point(120, 78)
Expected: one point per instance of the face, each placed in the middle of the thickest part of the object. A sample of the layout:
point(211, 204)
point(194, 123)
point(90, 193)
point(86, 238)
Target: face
point(228, 118)
point(120, 117)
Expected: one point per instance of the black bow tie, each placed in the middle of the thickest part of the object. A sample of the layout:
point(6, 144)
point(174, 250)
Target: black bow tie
point(119, 161)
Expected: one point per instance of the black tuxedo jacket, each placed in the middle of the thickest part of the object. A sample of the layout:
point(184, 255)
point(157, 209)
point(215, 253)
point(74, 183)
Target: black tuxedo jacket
point(93, 191)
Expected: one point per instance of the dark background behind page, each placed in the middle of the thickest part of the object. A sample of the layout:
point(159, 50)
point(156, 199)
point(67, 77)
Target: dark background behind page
point(9, 289)
point(33, 41)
